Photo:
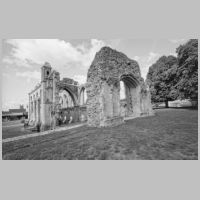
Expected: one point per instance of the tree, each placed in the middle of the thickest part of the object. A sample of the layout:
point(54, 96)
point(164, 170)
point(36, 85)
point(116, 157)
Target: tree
point(187, 71)
point(162, 79)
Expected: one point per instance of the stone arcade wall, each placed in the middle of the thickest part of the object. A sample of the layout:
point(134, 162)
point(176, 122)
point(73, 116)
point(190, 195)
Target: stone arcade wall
point(35, 105)
point(103, 104)
point(78, 113)
point(44, 105)
point(103, 87)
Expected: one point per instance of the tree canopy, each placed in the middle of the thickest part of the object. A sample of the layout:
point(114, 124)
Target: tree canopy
point(162, 78)
point(187, 72)
point(173, 78)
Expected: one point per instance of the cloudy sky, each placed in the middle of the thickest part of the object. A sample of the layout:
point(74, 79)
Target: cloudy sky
point(23, 58)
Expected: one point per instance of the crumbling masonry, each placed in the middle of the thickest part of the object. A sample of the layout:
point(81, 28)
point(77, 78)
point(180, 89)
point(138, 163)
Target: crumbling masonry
point(54, 98)
point(108, 68)
point(46, 102)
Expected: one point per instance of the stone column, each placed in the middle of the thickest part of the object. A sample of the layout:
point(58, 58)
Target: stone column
point(38, 110)
point(35, 111)
point(31, 110)
point(116, 100)
point(36, 102)
point(83, 97)
point(135, 97)
point(129, 108)
point(29, 104)
point(56, 78)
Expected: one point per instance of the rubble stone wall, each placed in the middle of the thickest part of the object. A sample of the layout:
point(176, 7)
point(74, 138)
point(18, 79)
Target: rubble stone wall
point(103, 89)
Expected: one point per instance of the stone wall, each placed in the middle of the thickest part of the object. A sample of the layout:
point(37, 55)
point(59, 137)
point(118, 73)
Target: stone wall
point(78, 114)
point(34, 110)
point(108, 68)
point(44, 105)
point(103, 86)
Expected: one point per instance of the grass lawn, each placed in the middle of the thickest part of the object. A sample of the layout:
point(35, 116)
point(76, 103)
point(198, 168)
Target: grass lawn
point(170, 134)
point(14, 130)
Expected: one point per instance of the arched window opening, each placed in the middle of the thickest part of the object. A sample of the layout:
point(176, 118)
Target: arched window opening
point(66, 100)
point(122, 91)
point(83, 97)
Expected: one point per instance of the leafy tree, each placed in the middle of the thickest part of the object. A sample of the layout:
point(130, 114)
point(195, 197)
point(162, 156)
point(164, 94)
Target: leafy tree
point(162, 79)
point(187, 71)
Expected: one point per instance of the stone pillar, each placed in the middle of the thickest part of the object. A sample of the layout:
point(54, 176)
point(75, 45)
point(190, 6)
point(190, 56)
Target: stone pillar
point(46, 97)
point(145, 99)
point(110, 102)
point(116, 99)
point(39, 110)
point(107, 101)
point(129, 109)
point(31, 116)
point(29, 106)
point(83, 97)
point(135, 98)
point(45, 108)
point(56, 79)
point(35, 110)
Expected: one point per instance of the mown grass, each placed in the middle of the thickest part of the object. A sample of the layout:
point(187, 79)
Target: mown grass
point(171, 134)
point(14, 131)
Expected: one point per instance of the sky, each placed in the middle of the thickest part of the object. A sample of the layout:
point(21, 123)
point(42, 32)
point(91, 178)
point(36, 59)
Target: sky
point(22, 60)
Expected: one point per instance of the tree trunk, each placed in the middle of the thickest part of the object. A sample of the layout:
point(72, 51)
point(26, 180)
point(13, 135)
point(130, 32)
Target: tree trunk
point(166, 104)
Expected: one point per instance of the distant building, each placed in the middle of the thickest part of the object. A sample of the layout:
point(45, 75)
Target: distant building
point(15, 114)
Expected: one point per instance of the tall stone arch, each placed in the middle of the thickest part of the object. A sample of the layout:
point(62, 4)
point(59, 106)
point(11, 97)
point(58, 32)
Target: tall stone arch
point(108, 68)
point(81, 95)
point(71, 94)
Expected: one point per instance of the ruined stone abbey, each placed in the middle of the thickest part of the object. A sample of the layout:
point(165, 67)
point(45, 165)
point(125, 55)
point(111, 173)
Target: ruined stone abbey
point(97, 101)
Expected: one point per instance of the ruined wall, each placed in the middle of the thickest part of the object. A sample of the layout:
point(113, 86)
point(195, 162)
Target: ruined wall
point(49, 96)
point(103, 87)
point(145, 100)
point(71, 87)
point(44, 100)
point(78, 113)
point(34, 105)
point(46, 96)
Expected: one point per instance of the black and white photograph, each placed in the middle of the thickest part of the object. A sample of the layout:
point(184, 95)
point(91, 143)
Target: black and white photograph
point(100, 99)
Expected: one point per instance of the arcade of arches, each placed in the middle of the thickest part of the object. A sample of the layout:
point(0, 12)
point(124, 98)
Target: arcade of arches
point(114, 91)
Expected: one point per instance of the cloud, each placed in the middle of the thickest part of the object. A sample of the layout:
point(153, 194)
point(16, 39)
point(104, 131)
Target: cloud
point(80, 78)
point(175, 41)
point(16, 62)
point(59, 53)
point(146, 61)
point(173, 54)
point(152, 57)
point(114, 43)
point(29, 75)
point(6, 75)
point(136, 58)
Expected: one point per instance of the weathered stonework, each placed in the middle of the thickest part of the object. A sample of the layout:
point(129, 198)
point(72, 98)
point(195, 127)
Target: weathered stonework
point(108, 68)
point(104, 107)
point(44, 104)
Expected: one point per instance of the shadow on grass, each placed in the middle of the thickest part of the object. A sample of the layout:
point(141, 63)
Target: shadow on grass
point(178, 108)
point(170, 135)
